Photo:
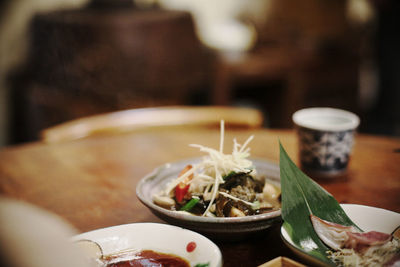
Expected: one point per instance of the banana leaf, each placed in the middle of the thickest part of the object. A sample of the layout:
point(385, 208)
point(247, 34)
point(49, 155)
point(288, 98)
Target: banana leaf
point(301, 197)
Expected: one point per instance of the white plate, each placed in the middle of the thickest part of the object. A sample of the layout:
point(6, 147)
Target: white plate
point(157, 237)
point(367, 218)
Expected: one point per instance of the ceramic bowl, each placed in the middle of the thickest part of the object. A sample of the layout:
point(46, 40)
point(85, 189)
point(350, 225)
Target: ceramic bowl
point(232, 228)
point(158, 237)
point(367, 218)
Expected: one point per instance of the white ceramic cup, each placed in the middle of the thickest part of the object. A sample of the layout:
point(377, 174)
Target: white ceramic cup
point(325, 137)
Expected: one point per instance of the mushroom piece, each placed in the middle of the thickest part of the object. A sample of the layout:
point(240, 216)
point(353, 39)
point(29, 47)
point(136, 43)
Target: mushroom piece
point(222, 206)
point(271, 192)
point(270, 196)
point(163, 201)
point(235, 212)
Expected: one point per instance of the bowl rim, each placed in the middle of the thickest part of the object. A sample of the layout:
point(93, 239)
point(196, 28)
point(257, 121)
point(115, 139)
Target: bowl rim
point(300, 119)
point(200, 219)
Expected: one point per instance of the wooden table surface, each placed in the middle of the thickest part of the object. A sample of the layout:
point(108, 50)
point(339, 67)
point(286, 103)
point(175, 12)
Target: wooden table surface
point(91, 183)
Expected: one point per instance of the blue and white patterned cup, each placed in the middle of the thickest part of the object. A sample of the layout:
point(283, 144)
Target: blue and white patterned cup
point(325, 137)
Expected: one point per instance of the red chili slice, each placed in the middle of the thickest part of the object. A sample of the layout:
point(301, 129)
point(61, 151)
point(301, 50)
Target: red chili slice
point(180, 192)
point(183, 187)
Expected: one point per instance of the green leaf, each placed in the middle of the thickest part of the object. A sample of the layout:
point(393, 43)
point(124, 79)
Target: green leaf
point(301, 197)
point(229, 175)
point(190, 205)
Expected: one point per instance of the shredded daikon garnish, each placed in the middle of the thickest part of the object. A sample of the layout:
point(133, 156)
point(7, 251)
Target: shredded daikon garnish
point(175, 182)
point(214, 166)
point(207, 176)
point(218, 179)
point(217, 164)
point(237, 199)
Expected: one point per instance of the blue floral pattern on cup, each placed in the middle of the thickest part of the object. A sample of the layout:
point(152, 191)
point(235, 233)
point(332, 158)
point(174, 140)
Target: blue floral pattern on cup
point(325, 140)
point(324, 151)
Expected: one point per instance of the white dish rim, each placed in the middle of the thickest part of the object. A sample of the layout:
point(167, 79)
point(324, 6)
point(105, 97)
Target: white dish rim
point(99, 234)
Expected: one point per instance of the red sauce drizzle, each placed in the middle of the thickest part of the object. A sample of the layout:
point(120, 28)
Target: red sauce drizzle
point(152, 258)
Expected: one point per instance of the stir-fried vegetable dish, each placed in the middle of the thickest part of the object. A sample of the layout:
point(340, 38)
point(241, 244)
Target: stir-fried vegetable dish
point(221, 185)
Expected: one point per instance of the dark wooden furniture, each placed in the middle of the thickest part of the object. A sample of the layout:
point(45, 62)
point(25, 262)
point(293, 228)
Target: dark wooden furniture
point(91, 182)
point(105, 57)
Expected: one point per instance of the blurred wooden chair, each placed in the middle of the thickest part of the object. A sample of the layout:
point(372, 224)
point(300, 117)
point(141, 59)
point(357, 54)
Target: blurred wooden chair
point(135, 119)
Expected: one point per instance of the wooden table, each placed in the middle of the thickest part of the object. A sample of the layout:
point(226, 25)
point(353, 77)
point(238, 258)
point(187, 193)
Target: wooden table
point(91, 183)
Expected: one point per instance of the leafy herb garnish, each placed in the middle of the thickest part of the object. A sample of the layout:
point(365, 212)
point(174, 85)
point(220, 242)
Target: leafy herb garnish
point(229, 175)
point(301, 197)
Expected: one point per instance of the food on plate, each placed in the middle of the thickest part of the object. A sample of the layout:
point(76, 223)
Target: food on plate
point(318, 225)
point(220, 185)
point(144, 258)
point(133, 257)
point(352, 247)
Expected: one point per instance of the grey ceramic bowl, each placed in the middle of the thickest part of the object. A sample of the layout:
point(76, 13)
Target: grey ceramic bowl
point(219, 228)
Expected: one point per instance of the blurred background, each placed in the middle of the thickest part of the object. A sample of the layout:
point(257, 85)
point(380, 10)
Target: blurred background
point(65, 59)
